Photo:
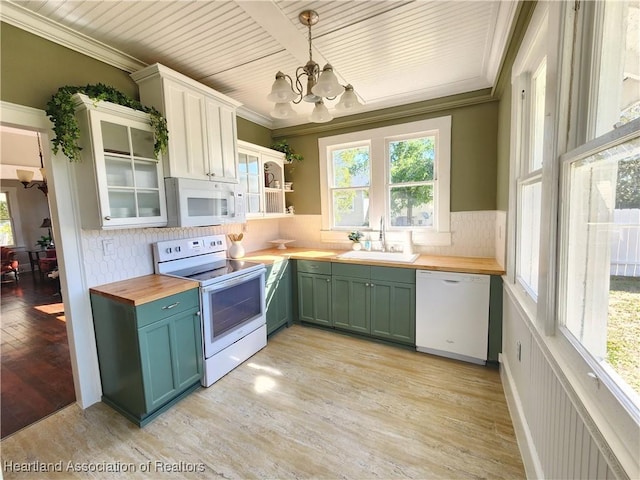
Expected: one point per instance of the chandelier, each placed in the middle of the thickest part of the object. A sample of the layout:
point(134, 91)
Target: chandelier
point(25, 176)
point(320, 85)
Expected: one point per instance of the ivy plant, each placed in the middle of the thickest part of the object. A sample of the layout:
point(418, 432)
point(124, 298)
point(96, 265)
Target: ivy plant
point(289, 153)
point(61, 111)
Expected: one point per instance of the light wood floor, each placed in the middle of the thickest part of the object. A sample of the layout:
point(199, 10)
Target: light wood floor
point(312, 404)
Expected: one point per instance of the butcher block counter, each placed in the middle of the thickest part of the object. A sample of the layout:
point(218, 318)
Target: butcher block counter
point(481, 265)
point(145, 289)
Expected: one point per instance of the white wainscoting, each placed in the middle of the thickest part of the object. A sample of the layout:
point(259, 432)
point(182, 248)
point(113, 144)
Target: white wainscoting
point(556, 436)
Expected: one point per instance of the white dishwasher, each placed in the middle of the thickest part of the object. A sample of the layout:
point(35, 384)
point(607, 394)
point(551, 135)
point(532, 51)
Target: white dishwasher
point(452, 315)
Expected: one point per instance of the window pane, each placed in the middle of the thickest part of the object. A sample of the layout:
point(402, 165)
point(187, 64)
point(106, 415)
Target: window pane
point(351, 167)
point(351, 208)
point(411, 206)
point(602, 308)
point(412, 160)
point(6, 228)
point(528, 248)
point(537, 133)
point(618, 84)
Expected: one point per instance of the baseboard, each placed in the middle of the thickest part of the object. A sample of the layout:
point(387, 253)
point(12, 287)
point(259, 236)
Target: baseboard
point(532, 466)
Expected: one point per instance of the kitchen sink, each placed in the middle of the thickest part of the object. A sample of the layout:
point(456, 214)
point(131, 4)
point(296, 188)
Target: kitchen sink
point(379, 256)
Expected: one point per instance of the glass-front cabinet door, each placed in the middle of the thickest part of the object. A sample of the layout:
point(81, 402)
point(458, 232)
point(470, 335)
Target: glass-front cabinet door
point(249, 170)
point(129, 177)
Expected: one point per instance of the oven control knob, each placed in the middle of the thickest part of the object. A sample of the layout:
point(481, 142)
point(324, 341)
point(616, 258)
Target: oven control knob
point(177, 249)
point(219, 242)
point(169, 250)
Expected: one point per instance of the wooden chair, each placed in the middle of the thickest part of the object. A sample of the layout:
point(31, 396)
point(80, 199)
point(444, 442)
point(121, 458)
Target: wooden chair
point(9, 263)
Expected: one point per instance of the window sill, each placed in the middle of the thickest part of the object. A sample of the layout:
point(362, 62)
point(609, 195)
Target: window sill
point(427, 239)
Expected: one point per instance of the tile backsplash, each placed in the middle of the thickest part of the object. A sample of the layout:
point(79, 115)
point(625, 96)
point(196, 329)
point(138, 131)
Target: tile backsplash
point(473, 234)
point(120, 254)
point(130, 255)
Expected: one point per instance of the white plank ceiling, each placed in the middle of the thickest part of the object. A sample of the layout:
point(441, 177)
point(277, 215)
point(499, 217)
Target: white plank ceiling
point(393, 52)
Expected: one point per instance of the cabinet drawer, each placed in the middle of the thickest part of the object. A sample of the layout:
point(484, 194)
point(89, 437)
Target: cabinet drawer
point(165, 307)
point(312, 266)
point(350, 270)
point(394, 274)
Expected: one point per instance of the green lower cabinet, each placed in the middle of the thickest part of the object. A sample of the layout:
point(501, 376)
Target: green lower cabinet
point(314, 298)
point(148, 360)
point(393, 311)
point(375, 301)
point(278, 295)
point(351, 304)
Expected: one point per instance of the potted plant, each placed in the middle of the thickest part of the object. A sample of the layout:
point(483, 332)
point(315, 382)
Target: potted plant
point(355, 237)
point(289, 153)
point(44, 242)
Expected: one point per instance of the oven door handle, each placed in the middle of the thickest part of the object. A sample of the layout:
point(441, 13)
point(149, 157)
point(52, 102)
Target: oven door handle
point(233, 281)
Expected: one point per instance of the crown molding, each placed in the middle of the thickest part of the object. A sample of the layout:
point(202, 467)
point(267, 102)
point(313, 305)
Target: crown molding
point(41, 26)
point(389, 114)
point(255, 117)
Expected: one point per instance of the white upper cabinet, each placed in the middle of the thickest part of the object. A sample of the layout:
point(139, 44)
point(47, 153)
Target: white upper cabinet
point(120, 181)
point(201, 123)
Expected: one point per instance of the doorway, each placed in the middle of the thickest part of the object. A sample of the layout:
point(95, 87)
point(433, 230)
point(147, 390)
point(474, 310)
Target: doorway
point(36, 373)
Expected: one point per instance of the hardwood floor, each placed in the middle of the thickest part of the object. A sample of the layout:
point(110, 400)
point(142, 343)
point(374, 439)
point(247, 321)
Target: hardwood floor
point(36, 378)
point(312, 404)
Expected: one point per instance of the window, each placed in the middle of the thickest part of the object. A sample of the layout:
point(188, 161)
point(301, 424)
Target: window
point(350, 180)
point(7, 237)
point(531, 113)
point(399, 174)
point(601, 311)
point(599, 294)
point(411, 165)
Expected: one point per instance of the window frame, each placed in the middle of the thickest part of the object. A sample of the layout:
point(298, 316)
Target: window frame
point(389, 185)
point(533, 54)
point(331, 177)
point(439, 233)
point(14, 213)
point(603, 374)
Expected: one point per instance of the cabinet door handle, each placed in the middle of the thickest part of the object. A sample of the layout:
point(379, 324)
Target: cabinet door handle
point(107, 217)
point(167, 307)
point(373, 285)
point(366, 284)
point(328, 280)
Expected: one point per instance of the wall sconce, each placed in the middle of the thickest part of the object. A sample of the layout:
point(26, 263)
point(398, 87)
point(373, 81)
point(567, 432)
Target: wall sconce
point(25, 176)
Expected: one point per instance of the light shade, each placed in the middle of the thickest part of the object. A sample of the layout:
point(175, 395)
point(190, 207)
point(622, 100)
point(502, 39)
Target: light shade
point(320, 114)
point(283, 110)
point(328, 85)
point(281, 90)
point(348, 100)
point(24, 176)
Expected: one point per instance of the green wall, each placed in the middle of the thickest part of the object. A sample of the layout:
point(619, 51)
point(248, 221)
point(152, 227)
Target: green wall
point(254, 133)
point(474, 132)
point(34, 68)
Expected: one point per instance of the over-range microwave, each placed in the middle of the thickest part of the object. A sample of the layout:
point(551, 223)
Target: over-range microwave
point(199, 203)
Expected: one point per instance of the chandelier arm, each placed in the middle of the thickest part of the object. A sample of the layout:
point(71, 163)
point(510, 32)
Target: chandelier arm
point(299, 87)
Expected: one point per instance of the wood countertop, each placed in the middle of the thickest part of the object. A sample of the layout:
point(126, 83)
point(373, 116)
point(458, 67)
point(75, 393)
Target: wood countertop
point(140, 290)
point(482, 265)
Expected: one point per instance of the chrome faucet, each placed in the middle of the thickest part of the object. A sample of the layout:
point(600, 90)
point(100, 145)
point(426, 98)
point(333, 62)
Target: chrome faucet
point(382, 235)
